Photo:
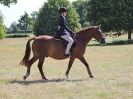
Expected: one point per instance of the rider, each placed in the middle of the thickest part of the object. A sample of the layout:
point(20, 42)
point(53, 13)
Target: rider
point(63, 31)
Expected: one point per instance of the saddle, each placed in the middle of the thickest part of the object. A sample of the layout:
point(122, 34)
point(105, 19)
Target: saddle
point(65, 42)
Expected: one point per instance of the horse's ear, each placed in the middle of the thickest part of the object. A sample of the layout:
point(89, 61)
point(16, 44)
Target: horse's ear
point(98, 27)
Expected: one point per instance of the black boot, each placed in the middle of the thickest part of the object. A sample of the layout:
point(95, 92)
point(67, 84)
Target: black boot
point(68, 55)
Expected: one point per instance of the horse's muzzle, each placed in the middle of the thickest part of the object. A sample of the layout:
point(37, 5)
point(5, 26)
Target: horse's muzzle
point(102, 42)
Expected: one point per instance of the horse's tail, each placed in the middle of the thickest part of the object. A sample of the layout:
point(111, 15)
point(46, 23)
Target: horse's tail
point(26, 57)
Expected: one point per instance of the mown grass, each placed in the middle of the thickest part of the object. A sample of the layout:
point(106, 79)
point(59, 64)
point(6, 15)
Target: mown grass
point(112, 67)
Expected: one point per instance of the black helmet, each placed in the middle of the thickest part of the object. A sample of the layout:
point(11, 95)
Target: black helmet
point(62, 9)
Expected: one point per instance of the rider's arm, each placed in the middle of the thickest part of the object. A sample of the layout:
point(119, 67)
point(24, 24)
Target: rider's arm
point(63, 23)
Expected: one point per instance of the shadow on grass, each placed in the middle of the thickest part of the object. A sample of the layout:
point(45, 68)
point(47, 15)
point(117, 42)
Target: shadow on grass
point(121, 42)
point(26, 82)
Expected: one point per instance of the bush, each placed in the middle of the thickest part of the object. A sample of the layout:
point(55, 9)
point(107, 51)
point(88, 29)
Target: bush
point(123, 42)
point(2, 31)
point(17, 36)
point(2, 28)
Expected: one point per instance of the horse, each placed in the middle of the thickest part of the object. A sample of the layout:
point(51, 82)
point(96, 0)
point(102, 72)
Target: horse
point(49, 46)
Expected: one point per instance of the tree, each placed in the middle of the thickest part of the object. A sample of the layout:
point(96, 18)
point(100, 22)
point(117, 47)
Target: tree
point(2, 28)
point(13, 27)
point(8, 2)
point(47, 20)
point(127, 16)
point(81, 8)
point(112, 15)
point(33, 18)
point(24, 22)
point(99, 13)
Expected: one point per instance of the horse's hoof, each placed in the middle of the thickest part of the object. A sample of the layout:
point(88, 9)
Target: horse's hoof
point(91, 76)
point(67, 77)
point(24, 77)
point(44, 78)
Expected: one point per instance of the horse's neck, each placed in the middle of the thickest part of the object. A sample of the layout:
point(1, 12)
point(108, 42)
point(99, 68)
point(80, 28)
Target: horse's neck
point(85, 37)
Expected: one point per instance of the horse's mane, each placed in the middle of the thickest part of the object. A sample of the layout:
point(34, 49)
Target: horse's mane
point(86, 29)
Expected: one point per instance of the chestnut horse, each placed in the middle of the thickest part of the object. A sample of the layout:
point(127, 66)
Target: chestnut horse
point(48, 46)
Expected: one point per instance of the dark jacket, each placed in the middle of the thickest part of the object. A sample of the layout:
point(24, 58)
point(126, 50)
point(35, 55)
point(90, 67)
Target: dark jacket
point(62, 26)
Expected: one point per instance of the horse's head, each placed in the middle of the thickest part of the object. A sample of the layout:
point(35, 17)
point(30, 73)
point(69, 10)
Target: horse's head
point(98, 35)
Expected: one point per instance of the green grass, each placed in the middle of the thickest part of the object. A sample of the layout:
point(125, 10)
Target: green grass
point(112, 67)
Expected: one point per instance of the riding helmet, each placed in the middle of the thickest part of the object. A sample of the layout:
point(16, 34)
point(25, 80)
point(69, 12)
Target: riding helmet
point(62, 9)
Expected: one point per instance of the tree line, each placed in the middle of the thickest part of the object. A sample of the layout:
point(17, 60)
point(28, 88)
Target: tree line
point(24, 24)
point(112, 15)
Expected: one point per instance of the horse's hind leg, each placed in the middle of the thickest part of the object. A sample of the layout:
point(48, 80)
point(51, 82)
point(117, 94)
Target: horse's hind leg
point(40, 65)
point(82, 59)
point(31, 61)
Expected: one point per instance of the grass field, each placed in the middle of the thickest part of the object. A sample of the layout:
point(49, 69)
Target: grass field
point(112, 67)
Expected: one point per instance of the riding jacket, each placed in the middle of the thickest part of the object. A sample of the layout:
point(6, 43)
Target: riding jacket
point(62, 28)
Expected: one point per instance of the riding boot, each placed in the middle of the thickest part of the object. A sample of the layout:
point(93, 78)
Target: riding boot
point(68, 55)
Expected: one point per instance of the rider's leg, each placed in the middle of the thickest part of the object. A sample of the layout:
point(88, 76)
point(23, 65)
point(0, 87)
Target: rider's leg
point(70, 42)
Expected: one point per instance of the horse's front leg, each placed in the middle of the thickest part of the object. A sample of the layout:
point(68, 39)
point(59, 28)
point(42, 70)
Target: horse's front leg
point(82, 59)
point(69, 66)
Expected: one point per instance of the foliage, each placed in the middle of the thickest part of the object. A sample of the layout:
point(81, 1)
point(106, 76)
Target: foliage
point(8, 2)
point(16, 36)
point(24, 22)
point(122, 42)
point(47, 21)
point(111, 14)
point(13, 27)
point(21, 26)
point(2, 28)
point(81, 8)
point(33, 18)
point(86, 24)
